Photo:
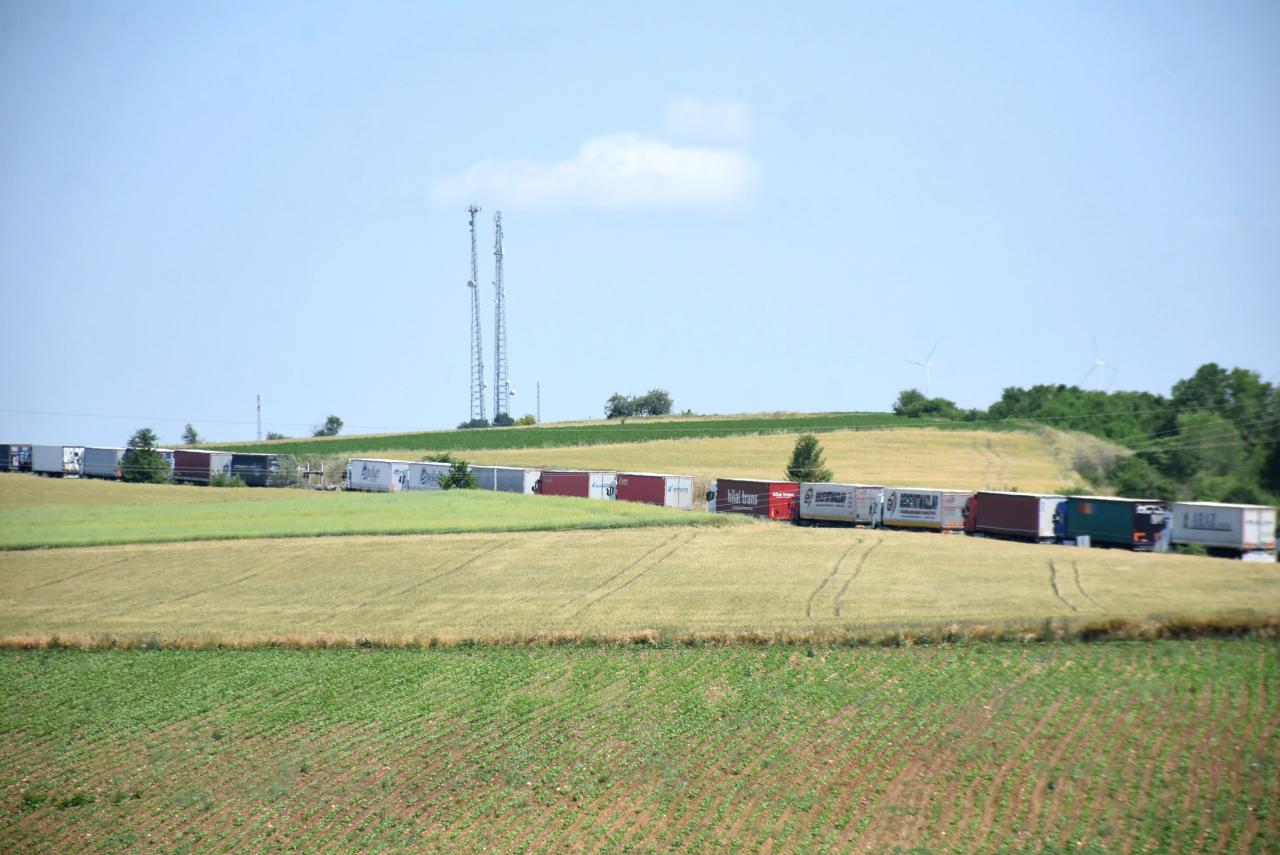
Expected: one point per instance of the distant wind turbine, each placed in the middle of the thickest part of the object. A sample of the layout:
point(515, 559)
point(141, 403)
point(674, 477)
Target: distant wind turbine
point(927, 365)
point(1099, 365)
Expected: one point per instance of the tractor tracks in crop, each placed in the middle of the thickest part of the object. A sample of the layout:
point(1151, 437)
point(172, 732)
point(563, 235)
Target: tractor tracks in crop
point(808, 605)
point(834, 577)
point(85, 572)
point(1075, 570)
point(1053, 583)
point(625, 577)
point(857, 571)
point(1000, 459)
point(475, 556)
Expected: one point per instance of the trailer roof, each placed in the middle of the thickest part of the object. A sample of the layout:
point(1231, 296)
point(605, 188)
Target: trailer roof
point(378, 460)
point(656, 474)
point(1223, 505)
point(1017, 493)
point(756, 480)
point(582, 471)
point(846, 484)
point(935, 490)
point(1119, 499)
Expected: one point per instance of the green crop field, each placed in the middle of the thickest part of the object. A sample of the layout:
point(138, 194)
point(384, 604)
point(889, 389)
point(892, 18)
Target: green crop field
point(580, 433)
point(1120, 747)
point(36, 512)
point(751, 577)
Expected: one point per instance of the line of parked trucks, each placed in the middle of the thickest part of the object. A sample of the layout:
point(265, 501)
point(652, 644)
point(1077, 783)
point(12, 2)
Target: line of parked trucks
point(190, 466)
point(1240, 531)
point(1228, 530)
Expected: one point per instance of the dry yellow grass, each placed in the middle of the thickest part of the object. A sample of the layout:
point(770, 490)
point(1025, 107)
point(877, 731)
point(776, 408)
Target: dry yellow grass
point(1040, 461)
point(755, 577)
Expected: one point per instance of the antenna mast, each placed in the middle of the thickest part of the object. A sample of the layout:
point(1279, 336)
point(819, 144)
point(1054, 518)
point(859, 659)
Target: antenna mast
point(477, 348)
point(502, 389)
point(259, 418)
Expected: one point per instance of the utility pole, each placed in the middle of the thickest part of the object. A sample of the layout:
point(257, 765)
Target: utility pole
point(477, 347)
point(502, 389)
point(259, 418)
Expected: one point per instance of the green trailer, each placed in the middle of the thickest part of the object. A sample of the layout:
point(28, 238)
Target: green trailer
point(1111, 521)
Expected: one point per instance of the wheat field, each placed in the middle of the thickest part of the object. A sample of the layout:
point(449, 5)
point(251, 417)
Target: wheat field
point(751, 577)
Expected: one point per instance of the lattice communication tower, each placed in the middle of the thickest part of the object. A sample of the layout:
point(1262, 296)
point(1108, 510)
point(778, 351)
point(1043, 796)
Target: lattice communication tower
point(501, 388)
point(477, 346)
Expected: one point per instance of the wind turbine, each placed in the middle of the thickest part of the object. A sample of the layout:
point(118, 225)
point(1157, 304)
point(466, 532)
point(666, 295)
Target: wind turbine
point(1099, 364)
point(927, 365)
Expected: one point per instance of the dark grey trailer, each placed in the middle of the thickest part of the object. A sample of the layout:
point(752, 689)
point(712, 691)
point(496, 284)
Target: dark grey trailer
point(507, 479)
point(197, 466)
point(7, 463)
point(102, 463)
point(253, 469)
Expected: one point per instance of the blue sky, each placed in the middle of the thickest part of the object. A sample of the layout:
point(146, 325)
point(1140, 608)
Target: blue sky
point(754, 207)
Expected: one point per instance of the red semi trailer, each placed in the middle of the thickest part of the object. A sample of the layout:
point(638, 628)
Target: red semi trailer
point(775, 500)
point(585, 485)
point(673, 491)
point(1025, 516)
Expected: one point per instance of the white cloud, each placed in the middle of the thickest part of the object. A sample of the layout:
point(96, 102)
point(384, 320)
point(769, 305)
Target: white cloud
point(611, 172)
point(708, 119)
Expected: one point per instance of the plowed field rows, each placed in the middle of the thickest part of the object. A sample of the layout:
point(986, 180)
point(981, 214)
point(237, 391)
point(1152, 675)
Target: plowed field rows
point(1122, 747)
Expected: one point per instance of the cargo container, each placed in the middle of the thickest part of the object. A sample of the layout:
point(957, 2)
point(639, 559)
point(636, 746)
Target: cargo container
point(56, 460)
point(921, 507)
point(195, 466)
point(774, 500)
point(507, 479)
point(15, 458)
point(672, 491)
point(828, 503)
point(253, 469)
point(1023, 516)
point(1112, 521)
point(587, 485)
point(373, 475)
point(425, 476)
point(1228, 530)
point(102, 462)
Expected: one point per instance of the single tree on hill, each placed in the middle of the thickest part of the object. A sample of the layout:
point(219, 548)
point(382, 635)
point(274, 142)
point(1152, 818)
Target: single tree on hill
point(142, 463)
point(806, 460)
point(655, 402)
point(189, 436)
point(331, 426)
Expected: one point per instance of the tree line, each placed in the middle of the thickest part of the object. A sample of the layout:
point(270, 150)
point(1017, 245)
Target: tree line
point(1215, 437)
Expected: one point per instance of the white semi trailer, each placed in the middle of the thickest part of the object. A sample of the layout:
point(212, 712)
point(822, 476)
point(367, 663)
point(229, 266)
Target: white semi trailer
point(850, 504)
point(1244, 531)
point(373, 475)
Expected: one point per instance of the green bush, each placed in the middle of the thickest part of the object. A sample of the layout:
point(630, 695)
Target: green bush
point(142, 463)
point(222, 479)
